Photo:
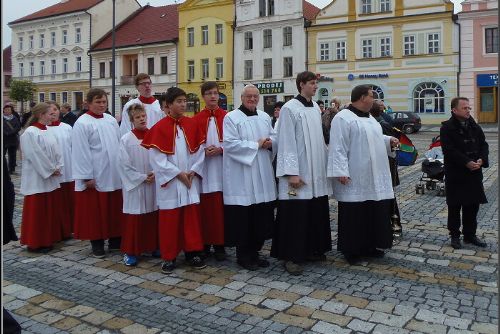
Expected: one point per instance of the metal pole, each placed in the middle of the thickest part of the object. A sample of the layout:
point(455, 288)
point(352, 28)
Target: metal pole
point(113, 65)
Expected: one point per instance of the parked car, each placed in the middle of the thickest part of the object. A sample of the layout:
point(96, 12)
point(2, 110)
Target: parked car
point(406, 121)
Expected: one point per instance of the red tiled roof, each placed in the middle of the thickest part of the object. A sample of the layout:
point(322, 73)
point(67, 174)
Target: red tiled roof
point(7, 61)
point(309, 10)
point(60, 8)
point(147, 25)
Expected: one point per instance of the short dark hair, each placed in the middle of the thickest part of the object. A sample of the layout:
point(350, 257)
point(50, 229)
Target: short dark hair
point(141, 76)
point(304, 77)
point(319, 102)
point(359, 91)
point(279, 104)
point(456, 100)
point(208, 85)
point(162, 98)
point(173, 93)
point(95, 92)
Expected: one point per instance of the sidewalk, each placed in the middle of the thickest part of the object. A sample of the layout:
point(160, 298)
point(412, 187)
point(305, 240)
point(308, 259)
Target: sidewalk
point(487, 128)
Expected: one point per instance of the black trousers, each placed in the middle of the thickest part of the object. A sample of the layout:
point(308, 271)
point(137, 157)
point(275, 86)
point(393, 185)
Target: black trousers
point(469, 220)
point(11, 156)
point(114, 243)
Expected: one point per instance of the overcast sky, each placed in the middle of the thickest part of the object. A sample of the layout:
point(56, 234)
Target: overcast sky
point(14, 9)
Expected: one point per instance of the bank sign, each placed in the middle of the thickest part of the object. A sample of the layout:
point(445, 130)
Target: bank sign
point(270, 87)
point(487, 80)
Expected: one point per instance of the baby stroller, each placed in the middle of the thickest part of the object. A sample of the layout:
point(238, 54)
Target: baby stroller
point(432, 170)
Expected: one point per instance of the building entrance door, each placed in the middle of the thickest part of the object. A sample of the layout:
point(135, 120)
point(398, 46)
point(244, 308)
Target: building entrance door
point(488, 105)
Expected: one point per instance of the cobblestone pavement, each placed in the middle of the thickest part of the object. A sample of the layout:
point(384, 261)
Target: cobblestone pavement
point(421, 286)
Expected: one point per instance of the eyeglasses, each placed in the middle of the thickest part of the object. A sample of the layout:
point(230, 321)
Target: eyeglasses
point(146, 83)
point(256, 96)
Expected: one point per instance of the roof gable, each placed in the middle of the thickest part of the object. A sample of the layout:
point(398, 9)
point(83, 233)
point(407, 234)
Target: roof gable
point(309, 10)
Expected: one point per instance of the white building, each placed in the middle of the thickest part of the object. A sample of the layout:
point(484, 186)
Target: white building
point(153, 50)
point(49, 47)
point(270, 48)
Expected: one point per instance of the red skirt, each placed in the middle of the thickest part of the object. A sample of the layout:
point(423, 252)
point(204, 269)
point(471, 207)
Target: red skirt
point(139, 233)
point(179, 229)
point(41, 222)
point(212, 218)
point(66, 194)
point(98, 215)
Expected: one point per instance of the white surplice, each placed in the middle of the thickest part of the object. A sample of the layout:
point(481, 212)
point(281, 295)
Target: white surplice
point(153, 111)
point(212, 168)
point(170, 192)
point(138, 196)
point(42, 156)
point(248, 172)
point(62, 132)
point(94, 155)
point(358, 149)
point(301, 151)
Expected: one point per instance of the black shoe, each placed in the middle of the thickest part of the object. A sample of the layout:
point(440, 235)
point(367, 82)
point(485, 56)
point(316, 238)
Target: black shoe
point(40, 250)
point(167, 267)
point(220, 255)
point(376, 253)
point(197, 262)
point(352, 259)
point(248, 265)
point(263, 263)
point(475, 241)
point(316, 257)
point(98, 253)
point(455, 243)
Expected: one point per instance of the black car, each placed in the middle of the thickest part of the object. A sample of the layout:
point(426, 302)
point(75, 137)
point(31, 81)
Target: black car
point(406, 121)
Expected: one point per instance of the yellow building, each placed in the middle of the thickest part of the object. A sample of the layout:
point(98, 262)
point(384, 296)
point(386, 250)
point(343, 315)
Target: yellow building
point(407, 50)
point(206, 49)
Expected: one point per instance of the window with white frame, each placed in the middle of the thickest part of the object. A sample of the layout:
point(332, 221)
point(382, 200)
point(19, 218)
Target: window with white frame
point(219, 68)
point(32, 42)
point(53, 97)
point(78, 64)
point(21, 69)
point(324, 51)
point(65, 65)
point(491, 40)
point(385, 5)
point(20, 43)
point(164, 65)
point(433, 43)
point(42, 41)
point(32, 68)
point(270, 7)
point(190, 69)
point(53, 39)
point(190, 37)
point(64, 37)
point(288, 66)
point(64, 97)
point(205, 68)
point(248, 75)
point(204, 35)
point(409, 45)
point(287, 36)
point(102, 70)
point(248, 40)
point(367, 50)
point(428, 97)
point(53, 66)
point(151, 66)
point(366, 6)
point(41, 97)
point(78, 35)
point(42, 67)
point(268, 68)
point(385, 47)
point(218, 34)
point(268, 38)
point(340, 50)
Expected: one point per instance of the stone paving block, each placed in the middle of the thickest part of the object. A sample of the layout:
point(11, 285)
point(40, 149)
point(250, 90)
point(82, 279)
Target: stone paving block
point(334, 307)
point(425, 327)
point(66, 323)
point(300, 289)
point(28, 310)
point(389, 319)
point(40, 298)
point(438, 262)
point(152, 276)
point(380, 306)
point(359, 326)
point(226, 293)
point(97, 317)
point(138, 272)
point(353, 301)
point(21, 292)
point(220, 281)
point(383, 329)
point(255, 289)
point(327, 328)
point(284, 295)
point(276, 304)
point(331, 317)
point(236, 285)
point(252, 299)
point(457, 322)
point(310, 302)
point(15, 304)
point(484, 328)
point(57, 304)
point(117, 323)
point(192, 276)
point(300, 311)
point(208, 299)
point(322, 294)
point(139, 329)
point(208, 288)
point(84, 328)
point(169, 280)
point(358, 313)
point(78, 311)
point(485, 269)
point(278, 285)
point(7, 298)
point(294, 320)
point(132, 280)
point(48, 317)
point(154, 286)
point(429, 316)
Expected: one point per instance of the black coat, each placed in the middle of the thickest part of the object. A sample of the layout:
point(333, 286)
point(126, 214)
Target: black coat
point(11, 130)
point(9, 233)
point(460, 145)
point(70, 118)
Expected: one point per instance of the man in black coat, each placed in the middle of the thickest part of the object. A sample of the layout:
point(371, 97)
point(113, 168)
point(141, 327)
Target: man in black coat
point(465, 152)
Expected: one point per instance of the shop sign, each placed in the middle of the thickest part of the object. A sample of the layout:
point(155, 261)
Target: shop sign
point(368, 76)
point(487, 80)
point(221, 86)
point(270, 87)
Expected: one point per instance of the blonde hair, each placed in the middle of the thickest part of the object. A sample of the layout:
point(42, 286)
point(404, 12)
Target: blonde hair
point(133, 110)
point(39, 109)
point(53, 103)
point(66, 106)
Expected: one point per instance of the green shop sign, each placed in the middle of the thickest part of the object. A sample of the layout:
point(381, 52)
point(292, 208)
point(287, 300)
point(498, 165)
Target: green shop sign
point(270, 87)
